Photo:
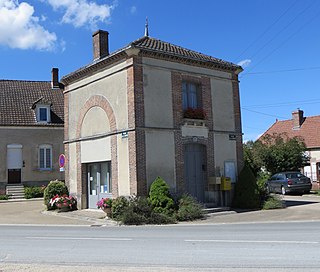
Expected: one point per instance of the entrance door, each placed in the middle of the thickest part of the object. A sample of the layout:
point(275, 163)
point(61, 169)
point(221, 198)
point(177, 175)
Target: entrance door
point(14, 163)
point(194, 169)
point(99, 182)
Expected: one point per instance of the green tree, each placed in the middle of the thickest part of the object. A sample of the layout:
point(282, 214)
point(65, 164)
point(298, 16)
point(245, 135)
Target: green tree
point(276, 153)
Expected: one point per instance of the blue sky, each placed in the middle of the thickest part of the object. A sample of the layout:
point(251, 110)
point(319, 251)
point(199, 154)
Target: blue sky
point(277, 42)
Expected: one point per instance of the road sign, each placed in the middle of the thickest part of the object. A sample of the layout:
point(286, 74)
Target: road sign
point(62, 160)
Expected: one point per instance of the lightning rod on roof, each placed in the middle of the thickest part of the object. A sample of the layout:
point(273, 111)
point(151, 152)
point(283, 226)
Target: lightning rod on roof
point(146, 29)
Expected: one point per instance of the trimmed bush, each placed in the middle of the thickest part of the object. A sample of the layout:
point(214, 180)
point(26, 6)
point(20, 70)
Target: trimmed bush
point(161, 219)
point(119, 206)
point(160, 197)
point(54, 188)
point(273, 202)
point(189, 209)
point(137, 212)
point(246, 195)
point(33, 192)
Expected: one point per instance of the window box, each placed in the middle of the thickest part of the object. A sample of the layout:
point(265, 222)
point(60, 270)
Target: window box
point(192, 113)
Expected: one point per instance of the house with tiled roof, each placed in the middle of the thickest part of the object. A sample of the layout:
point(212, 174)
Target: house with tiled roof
point(152, 109)
point(31, 131)
point(308, 129)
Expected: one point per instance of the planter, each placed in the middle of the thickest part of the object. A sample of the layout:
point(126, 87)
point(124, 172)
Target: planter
point(107, 211)
point(64, 209)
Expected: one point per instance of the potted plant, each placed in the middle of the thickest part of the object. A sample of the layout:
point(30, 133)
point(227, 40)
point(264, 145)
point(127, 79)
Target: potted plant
point(105, 204)
point(63, 203)
point(192, 113)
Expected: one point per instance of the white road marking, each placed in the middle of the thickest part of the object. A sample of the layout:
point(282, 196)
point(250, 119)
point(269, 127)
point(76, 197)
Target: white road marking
point(77, 238)
point(251, 241)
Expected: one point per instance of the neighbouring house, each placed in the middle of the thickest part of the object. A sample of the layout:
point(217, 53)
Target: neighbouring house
point(31, 131)
point(308, 129)
point(151, 109)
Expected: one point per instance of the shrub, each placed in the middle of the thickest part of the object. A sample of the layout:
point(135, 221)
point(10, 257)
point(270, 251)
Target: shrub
point(137, 212)
point(261, 183)
point(273, 202)
point(4, 197)
point(33, 191)
point(161, 219)
point(189, 209)
point(119, 205)
point(160, 197)
point(246, 195)
point(54, 188)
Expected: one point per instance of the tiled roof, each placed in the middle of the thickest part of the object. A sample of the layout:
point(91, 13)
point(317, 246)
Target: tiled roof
point(17, 98)
point(158, 46)
point(152, 46)
point(309, 130)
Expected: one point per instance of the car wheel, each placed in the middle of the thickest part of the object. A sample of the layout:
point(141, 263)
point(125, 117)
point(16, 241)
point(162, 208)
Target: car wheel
point(283, 190)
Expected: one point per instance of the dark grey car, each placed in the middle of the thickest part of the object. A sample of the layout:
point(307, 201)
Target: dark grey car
point(289, 182)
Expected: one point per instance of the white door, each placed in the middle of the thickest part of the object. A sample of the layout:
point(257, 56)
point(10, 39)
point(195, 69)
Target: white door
point(14, 163)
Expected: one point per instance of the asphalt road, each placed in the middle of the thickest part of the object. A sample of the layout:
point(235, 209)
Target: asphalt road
point(292, 246)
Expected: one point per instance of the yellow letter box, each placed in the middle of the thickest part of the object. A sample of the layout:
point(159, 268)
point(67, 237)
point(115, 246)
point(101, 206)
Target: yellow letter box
point(225, 184)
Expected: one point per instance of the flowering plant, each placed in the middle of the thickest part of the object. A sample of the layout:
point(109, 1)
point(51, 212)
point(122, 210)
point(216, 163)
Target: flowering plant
point(104, 203)
point(63, 201)
point(194, 113)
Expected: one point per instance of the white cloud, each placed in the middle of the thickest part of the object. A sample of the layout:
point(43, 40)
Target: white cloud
point(82, 12)
point(244, 63)
point(133, 10)
point(20, 29)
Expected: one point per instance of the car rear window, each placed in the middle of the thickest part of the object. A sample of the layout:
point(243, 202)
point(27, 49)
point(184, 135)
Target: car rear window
point(294, 175)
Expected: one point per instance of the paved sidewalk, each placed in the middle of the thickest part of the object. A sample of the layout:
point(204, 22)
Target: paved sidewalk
point(300, 208)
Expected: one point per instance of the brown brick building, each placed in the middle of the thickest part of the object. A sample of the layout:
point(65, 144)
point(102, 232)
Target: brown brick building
point(151, 109)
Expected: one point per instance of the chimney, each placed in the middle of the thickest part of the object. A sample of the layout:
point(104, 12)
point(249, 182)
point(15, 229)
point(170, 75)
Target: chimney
point(55, 78)
point(100, 44)
point(297, 117)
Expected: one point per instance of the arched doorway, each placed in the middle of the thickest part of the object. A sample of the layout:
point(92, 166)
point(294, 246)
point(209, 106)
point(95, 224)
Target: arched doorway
point(195, 167)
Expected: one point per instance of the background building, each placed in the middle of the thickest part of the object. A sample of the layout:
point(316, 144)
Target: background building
point(31, 131)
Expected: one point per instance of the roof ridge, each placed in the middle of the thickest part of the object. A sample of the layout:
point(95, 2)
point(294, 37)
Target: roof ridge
point(25, 80)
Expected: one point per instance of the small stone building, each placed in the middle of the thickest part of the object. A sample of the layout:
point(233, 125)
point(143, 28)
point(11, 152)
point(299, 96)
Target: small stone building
point(151, 109)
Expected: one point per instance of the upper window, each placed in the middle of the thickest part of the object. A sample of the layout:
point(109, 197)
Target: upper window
point(43, 113)
point(45, 157)
point(191, 97)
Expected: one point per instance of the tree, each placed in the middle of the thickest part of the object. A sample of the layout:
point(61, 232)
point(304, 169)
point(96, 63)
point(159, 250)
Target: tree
point(277, 153)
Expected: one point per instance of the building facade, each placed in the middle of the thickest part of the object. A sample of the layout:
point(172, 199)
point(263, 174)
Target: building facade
point(31, 131)
point(151, 109)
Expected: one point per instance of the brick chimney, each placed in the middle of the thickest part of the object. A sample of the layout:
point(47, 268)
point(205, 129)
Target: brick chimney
point(100, 44)
point(55, 78)
point(297, 117)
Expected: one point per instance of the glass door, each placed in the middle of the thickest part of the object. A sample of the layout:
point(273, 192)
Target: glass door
point(99, 182)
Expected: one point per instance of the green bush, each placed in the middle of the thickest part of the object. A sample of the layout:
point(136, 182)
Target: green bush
point(54, 188)
point(189, 209)
point(119, 205)
point(261, 183)
point(137, 212)
point(273, 202)
point(160, 197)
point(4, 197)
point(246, 195)
point(161, 219)
point(33, 192)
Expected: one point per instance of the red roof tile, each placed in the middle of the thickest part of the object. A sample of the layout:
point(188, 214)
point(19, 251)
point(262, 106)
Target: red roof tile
point(309, 130)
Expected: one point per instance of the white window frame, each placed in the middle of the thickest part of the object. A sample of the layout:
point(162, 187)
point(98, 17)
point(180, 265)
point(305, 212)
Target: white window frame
point(47, 108)
point(45, 166)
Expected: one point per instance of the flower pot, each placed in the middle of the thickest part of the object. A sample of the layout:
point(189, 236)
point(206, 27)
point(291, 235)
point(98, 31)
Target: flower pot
point(64, 209)
point(107, 211)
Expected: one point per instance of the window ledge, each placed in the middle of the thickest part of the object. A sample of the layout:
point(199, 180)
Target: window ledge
point(194, 122)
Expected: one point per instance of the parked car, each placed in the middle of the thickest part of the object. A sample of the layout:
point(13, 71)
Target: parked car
point(289, 182)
